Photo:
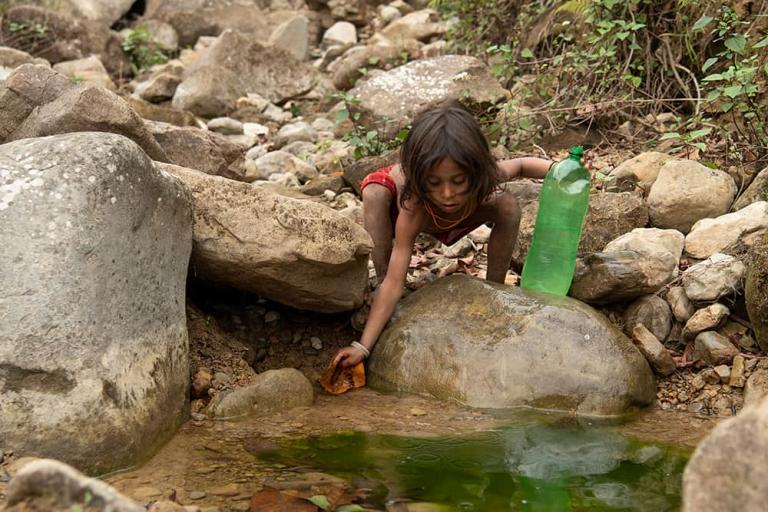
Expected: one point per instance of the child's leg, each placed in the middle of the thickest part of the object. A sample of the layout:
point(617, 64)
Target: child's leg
point(377, 200)
point(506, 219)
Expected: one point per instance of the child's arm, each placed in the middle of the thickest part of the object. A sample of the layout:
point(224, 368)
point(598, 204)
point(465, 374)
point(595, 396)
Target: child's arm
point(525, 167)
point(391, 289)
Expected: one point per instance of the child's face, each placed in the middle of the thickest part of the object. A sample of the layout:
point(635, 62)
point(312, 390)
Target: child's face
point(447, 186)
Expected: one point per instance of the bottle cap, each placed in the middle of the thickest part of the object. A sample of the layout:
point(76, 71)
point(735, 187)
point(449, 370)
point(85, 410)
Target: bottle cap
point(576, 151)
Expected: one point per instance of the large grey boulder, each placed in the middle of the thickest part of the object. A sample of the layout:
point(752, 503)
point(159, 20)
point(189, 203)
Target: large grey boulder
point(651, 311)
point(756, 291)
point(236, 65)
point(639, 172)
point(717, 276)
point(636, 263)
point(152, 112)
point(389, 101)
point(11, 58)
point(195, 18)
point(93, 343)
point(360, 60)
point(106, 12)
point(686, 191)
point(29, 86)
point(609, 216)
point(295, 252)
point(489, 345)
point(724, 474)
point(64, 36)
point(420, 25)
point(729, 233)
point(292, 36)
point(38, 102)
point(47, 484)
point(192, 147)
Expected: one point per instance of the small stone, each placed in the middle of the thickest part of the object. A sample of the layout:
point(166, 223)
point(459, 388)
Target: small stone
point(197, 495)
point(657, 355)
point(705, 319)
point(737, 379)
point(713, 348)
point(724, 372)
point(722, 405)
point(695, 407)
point(329, 195)
point(231, 489)
point(271, 316)
point(166, 505)
point(255, 129)
point(681, 305)
point(197, 416)
point(418, 411)
point(226, 126)
point(316, 343)
point(481, 234)
point(221, 379)
point(145, 493)
point(709, 376)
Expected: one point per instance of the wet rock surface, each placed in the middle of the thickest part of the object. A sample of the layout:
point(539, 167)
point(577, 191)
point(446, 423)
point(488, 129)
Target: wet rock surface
point(440, 347)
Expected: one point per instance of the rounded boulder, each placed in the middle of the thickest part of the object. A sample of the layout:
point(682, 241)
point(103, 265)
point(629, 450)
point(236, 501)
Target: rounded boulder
point(494, 346)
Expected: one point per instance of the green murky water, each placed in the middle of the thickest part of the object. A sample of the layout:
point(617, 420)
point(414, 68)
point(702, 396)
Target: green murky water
point(547, 468)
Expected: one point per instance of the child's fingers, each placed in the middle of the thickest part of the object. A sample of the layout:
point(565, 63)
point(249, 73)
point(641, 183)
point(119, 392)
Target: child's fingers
point(339, 356)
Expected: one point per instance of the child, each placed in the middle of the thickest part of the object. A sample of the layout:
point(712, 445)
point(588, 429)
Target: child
point(447, 185)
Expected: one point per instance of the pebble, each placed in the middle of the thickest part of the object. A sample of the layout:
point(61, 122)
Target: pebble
point(197, 495)
point(271, 316)
point(231, 489)
point(316, 343)
point(737, 379)
point(418, 411)
point(724, 372)
point(145, 493)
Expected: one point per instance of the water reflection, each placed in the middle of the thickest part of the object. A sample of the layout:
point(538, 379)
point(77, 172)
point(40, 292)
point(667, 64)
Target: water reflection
point(528, 468)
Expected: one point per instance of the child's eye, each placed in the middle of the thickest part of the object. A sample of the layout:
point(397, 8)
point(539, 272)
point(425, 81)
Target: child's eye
point(460, 181)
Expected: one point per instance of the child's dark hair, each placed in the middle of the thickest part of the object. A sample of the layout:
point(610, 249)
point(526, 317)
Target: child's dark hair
point(447, 131)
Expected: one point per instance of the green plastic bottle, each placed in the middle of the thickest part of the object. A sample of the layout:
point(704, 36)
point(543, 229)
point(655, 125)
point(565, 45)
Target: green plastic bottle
point(563, 204)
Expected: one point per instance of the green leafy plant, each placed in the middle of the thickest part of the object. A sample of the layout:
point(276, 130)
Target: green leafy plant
point(601, 63)
point(31, 37)
point(142, 50)
point(366, 142)
point(735, 72)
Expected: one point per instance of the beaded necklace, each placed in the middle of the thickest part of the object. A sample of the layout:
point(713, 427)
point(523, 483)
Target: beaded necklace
point(446, 224)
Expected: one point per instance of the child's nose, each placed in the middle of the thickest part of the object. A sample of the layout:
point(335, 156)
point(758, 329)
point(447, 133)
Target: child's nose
point(448, 191)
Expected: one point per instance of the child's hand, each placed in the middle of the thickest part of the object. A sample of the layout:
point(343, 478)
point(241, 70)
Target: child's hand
point(348, 356)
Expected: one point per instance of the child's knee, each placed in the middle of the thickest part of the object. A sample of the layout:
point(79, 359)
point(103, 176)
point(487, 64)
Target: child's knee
point(375, 194)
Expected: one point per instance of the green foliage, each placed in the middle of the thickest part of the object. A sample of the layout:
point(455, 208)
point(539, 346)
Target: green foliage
point(142, 50)
point(735, 76)
point(603, 62)
point(366, 142)
point(29, 37)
